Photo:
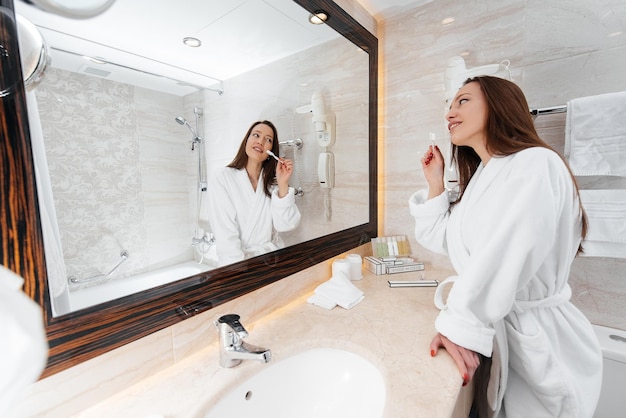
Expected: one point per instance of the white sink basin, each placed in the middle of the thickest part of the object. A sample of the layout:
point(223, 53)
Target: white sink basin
point(320, 383)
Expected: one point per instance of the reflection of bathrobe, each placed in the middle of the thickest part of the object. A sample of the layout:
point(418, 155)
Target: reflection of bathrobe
point(511, 240)
point(245, 222)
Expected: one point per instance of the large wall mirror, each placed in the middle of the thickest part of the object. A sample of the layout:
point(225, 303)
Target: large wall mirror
point(107, 117)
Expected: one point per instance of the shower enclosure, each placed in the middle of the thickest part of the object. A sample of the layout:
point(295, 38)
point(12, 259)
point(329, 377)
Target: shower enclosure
point(202, 241)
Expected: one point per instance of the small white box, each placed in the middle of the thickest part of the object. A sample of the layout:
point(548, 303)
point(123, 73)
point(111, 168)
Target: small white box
point(403, 268)
point(374, 265)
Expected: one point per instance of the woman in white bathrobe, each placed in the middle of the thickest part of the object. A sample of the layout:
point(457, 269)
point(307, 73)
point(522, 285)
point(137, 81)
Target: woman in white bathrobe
point(511, 236)
point(250, 199)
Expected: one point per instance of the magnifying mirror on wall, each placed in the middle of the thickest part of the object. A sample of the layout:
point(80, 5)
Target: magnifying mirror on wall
point(77, 9)
point(34, 53)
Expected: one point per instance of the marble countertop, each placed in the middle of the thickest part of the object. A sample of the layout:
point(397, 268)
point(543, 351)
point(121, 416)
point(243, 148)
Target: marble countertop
point(391, 327)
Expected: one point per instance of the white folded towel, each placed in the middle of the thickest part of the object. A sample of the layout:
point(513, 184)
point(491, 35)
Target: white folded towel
point(606, 211)
point(338, 290)
point(321, 301)
point(595, 135)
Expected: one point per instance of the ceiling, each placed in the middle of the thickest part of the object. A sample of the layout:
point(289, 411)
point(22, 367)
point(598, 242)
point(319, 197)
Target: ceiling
point(384, 9)
point(236, 36)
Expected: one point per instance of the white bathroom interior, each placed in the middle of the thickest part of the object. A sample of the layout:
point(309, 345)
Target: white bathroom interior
point(160, 145)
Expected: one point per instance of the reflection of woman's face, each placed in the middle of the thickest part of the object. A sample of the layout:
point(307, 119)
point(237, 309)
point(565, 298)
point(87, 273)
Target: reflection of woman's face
point(260, 140)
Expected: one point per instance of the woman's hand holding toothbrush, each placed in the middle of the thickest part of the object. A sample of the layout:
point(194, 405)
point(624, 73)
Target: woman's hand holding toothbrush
point(433, 166)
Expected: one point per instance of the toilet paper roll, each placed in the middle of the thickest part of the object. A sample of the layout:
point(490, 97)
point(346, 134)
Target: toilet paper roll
point(356, 266)
point(342, 267)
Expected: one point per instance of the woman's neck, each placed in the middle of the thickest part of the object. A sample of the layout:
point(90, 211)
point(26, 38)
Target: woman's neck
point(253, 169)
point(254, 172)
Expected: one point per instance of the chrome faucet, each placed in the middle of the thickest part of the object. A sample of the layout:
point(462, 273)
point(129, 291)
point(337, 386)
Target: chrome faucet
point(232, 347)
point(207, 238)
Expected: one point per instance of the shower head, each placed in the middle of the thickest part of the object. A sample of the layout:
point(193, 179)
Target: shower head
point(183, 121)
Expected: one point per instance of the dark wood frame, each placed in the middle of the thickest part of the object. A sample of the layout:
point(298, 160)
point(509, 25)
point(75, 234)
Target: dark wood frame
point(82, 335)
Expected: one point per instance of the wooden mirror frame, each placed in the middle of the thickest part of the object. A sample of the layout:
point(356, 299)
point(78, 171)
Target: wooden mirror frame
point(85, 334)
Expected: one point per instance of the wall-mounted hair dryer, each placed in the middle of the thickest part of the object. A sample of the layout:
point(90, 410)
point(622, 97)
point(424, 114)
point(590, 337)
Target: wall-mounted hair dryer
point(456, 74)
point(323, 122)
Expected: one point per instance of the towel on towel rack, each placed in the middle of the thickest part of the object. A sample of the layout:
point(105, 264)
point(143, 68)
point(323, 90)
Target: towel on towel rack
point(595, 135)
point(606, 211)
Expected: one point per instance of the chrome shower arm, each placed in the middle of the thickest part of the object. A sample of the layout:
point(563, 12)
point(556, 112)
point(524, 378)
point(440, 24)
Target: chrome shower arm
point(295, 142)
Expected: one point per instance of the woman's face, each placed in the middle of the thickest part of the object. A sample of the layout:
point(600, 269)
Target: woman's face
point(259, 141)
point(467, 117)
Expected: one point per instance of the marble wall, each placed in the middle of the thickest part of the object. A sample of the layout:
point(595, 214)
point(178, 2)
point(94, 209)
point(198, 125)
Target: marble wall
point(558, 51)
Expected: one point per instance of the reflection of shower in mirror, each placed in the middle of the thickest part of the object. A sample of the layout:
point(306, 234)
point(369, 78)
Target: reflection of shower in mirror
point(184, 122)
point(202, 241)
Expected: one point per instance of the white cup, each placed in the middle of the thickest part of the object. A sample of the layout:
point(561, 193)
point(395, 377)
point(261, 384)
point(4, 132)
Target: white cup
point(341, 267)
point(356, 266)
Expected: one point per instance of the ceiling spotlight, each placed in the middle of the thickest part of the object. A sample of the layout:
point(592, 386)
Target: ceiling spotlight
point(192, 42)
point(318, 17)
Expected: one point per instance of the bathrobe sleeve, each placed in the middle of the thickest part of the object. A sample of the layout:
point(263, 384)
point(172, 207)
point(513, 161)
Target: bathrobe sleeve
point(24, 349)
point(431, 219)
point(285, 212)
point(524, 219)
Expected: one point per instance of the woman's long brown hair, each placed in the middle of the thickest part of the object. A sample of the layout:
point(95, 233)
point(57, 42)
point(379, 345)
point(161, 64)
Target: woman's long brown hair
point(269, 165)
point(509, 129)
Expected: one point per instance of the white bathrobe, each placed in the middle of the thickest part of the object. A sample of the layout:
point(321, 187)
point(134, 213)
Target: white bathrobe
point(245, 223)
point(511, 240)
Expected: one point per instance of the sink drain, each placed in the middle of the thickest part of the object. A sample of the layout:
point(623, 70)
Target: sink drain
point(248, 395)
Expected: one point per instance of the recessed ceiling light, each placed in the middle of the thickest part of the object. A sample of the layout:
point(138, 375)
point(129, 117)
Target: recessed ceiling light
point(192, 42)
point(318, 17)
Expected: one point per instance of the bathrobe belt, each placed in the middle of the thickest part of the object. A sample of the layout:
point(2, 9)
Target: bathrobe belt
point(519, 306)
point(552, 301)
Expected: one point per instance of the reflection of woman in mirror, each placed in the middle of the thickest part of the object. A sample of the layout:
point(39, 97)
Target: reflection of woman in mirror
point(246, 208)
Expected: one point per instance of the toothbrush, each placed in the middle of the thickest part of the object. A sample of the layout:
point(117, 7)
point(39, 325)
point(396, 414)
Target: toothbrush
point(274, 155)
point(432, 139)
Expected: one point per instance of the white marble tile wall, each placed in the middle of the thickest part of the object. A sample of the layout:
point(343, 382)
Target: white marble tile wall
point(558, 51)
